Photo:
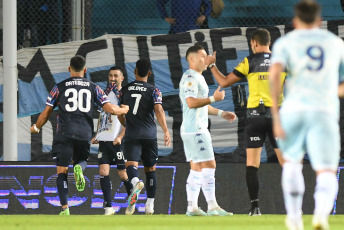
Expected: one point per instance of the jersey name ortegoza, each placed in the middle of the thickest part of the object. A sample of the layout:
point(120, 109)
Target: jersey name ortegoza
point(141, 98)
point(193, 85)
point(108, 124)
point(75, 97)
point(315, 59)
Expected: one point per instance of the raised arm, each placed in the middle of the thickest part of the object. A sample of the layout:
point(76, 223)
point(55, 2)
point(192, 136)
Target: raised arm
point(224, 81)
point(200, 102)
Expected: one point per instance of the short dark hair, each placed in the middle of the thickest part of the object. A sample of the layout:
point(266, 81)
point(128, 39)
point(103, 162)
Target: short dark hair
point(262, 36)
point(143, 67)
point(307, 11)
point(193, 49)
point(116, 68)
point(77, 63)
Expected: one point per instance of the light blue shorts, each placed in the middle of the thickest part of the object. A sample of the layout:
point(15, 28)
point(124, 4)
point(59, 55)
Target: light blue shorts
point(314, 132)
point(198, 147)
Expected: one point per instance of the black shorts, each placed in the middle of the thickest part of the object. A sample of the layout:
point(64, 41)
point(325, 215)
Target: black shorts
point(256, 130)
point(111, 154)
point(145, 149)
point(67, 149)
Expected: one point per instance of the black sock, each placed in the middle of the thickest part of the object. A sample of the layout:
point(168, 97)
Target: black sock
point(105, 184)
point(132, 172)
point(128, 186)
point(252, 184)
point(150, 184)
point(62, 188)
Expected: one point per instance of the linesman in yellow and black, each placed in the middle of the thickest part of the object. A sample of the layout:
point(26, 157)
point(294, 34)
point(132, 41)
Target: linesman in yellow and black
point(259, 123)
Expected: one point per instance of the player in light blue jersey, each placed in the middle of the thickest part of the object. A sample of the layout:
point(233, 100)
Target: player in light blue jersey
point(308, 118)
point(195, 135)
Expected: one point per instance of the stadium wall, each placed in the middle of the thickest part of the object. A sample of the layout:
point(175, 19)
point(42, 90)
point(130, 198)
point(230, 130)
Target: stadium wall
point(31, 189)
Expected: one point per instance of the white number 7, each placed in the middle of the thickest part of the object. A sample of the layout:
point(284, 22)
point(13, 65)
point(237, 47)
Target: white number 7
point(137, 102)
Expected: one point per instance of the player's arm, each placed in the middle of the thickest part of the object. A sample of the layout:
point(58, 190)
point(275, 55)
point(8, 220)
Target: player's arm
point(275, 88)
point(341, 90)
point(114, 109)
point(224, 81)
point(42, 119)
point(119, 138)
point(200, 102)
point(229, 116)
point(160, 116)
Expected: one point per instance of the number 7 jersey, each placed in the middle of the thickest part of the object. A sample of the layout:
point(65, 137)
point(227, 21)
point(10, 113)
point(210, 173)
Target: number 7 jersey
point(141, 98)
point(75, 98)
point(315, 61)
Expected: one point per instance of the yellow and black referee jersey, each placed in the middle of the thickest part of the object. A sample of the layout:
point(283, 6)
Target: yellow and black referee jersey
point(256, 69)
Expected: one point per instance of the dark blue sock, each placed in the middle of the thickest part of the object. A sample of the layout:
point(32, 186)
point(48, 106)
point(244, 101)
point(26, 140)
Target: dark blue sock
point(62, 188)
point(128, 186)
point(83, 164)
point(150, 184)
point(132, 172)
point(105, 184)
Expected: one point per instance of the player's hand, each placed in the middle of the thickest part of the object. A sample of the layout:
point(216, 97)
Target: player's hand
point(278, 130)
point(94, 141)
point(167, 139)
point(117, 141)
point(219, 95)
point(125, 108)
point(229, 116)
point(210, 59)
point(170, 21)
point(200, 20)
point(33, 130)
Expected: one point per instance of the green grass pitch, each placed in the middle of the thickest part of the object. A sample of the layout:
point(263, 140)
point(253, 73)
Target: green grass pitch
point(141, 222)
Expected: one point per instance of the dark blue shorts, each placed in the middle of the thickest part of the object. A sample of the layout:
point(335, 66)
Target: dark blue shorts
point(145, 149)
point(111, 154)
point(67, 149)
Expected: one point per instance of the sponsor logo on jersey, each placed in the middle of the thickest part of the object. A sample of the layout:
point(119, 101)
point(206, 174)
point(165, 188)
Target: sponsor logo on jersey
point(254, 113)
point(254, 138)
point(266, 62)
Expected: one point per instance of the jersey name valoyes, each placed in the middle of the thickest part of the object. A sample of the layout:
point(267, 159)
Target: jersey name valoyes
point(138, 88)
point(81, 83)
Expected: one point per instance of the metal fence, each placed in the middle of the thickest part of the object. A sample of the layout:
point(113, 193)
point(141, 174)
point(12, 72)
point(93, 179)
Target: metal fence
point(42, 22)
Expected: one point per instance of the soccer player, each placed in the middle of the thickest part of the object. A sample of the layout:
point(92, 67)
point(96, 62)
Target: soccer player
point(74, 97)
point(141, 133)
point(259, 123)
point(308, 118)
point(109, 135)
point(193, 92)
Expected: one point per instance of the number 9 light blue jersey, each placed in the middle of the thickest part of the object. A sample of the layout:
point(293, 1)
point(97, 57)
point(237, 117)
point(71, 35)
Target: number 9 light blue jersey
point(315, 60)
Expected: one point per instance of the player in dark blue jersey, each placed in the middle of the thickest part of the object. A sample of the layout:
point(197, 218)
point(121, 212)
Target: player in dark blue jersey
point(74, 97)
point(141, 133)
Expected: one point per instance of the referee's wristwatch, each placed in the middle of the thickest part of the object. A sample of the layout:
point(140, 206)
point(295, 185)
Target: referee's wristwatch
point(211, 65)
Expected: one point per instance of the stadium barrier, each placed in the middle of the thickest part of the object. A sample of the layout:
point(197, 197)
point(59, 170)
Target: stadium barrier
point(31, 189)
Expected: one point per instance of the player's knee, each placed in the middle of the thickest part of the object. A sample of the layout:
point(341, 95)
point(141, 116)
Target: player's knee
point(122, 173)
point(103, 172)
point(149, 169)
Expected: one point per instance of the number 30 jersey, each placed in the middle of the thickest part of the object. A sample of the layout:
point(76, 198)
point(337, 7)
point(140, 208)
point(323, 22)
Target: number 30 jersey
point(141, 98)
point(315, 60)
point(75, 98)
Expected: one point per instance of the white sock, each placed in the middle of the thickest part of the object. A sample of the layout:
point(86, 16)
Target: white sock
point(293, 186)
point(325, 193)
point(208, 187)
point(150, 202)
point(134, 181)
point(193, 186)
